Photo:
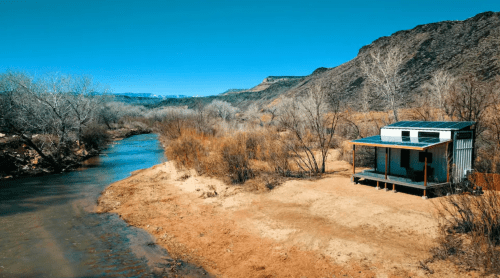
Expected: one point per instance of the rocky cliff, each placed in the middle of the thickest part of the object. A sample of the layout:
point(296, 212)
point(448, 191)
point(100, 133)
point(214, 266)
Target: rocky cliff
point(459, 47)
point(468, 46)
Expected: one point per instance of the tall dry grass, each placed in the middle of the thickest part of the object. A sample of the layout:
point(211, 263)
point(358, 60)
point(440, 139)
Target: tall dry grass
point(235, 157)
point(469, 229)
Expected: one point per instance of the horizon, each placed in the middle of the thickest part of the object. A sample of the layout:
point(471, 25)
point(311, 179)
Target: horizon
point(195, 48)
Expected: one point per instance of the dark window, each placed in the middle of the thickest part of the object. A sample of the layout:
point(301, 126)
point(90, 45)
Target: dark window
point(464, 135)
point(405, 135)
point(421, 157)
point(428, 134)
point(405, 158)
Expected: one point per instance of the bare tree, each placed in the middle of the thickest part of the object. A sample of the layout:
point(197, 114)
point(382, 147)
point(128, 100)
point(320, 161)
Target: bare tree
point(85, 98)
point(383, 73)
point(221, 109)
point(438, 89)
point(273, 111)
point(312, 121)
point(253, 113)
point(47, 106)
point(469, 100)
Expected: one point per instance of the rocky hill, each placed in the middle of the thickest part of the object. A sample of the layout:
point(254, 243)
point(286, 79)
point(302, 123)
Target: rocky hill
point(469, 46)
point(266, 83)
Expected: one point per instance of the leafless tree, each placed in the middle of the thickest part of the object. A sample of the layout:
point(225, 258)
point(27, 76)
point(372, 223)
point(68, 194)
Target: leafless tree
point(383, 74)
point(253, 114)
point(470, 98)
point(273, 111)
point(221, 109)
point(312, 121)
point(436, 92)
point(85, 98)
point(48, 106)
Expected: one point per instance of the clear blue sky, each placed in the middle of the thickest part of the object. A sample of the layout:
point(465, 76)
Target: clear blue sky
point(202, 47)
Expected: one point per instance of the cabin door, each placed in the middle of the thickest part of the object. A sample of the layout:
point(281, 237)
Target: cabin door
point(462, 154)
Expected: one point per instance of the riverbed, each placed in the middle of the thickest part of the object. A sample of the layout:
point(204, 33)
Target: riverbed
point(49, 228)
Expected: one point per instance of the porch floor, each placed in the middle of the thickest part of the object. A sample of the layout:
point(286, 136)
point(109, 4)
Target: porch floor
point(372, 175)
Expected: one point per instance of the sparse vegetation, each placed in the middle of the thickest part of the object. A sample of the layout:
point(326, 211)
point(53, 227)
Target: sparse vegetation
point(469, 229)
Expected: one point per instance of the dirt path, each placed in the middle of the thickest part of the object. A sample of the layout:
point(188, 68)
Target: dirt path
point(323, 228)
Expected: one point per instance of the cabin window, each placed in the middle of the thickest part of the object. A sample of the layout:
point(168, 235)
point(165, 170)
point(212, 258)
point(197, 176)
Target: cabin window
point(428, 134)
point(405, 158)
point(422, 155)
point(464, 135)
point(405, 135)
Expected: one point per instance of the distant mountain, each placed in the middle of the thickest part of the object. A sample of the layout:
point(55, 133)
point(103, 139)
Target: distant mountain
point(265, 92)
point(149, 95)
point(459, 47)
point(232, 91)
point(145, 99)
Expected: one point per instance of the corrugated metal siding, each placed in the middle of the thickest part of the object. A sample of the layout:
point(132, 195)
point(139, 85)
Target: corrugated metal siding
point(462, 156)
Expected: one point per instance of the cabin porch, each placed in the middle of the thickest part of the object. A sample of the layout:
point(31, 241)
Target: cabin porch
point(392, 180)
point(416, 172)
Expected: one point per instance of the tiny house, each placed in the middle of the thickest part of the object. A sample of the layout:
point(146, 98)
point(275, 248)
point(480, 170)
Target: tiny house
point(419, 154)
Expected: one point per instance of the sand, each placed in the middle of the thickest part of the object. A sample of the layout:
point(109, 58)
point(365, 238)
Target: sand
point(326, 227)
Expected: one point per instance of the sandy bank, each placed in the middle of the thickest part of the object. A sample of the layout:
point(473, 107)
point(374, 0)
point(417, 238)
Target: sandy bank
point(322, 228)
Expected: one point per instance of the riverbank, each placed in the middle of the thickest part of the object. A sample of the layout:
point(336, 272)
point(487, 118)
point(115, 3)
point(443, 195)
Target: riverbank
point(321, 228)
point(18, 160)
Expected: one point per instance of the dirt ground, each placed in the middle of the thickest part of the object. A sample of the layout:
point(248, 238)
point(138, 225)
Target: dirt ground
point(303, 228)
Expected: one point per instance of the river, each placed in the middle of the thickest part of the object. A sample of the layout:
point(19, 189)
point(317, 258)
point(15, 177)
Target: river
point(48, 227)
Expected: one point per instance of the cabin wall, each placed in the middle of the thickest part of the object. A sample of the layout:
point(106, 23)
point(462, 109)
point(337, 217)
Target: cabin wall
point(462, 154)
point(394, 159)
point(393, 132)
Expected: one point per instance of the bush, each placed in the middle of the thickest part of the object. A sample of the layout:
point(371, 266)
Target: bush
point(95, 136)
point(187, 151)
point(235, 159)
point(470, 230)
point(277, 155)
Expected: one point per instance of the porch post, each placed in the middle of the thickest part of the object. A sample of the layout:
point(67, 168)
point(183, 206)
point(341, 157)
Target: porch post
point(353, 159)
point(375, 164)
point(425, 175)
point(386, 154)
point(353, 179)
point(447, 164)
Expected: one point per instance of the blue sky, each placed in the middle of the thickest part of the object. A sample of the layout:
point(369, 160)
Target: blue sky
point(202, 47)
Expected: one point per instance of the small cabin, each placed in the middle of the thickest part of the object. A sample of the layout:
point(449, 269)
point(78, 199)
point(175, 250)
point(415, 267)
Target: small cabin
point(419, 154)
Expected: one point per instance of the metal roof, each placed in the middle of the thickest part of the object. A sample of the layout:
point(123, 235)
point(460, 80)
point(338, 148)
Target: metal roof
point(429, 125)
point(421, 143)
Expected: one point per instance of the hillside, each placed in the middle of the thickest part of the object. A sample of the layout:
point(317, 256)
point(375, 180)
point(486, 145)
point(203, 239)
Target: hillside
point(263, 94)
point(469, 46)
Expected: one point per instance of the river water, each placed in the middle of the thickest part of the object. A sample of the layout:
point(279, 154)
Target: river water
point(48, 227)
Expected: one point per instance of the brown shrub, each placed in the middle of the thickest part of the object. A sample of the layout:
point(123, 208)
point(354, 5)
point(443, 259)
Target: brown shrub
point(470, 230)
point(95, 136)
point(254, 143)
point(486, 180)
point(235, 159)
point(187, 151)
point(277, 155)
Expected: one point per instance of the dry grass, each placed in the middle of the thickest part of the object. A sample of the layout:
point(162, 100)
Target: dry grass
point(470, 229)
point(235, 158)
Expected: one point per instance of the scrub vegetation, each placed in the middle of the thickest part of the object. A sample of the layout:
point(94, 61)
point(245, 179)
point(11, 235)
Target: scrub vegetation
point(262, 146)
point(52, 123)
point(257, 139)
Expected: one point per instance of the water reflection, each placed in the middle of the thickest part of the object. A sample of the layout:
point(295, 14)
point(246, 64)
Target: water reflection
point(48, 228)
